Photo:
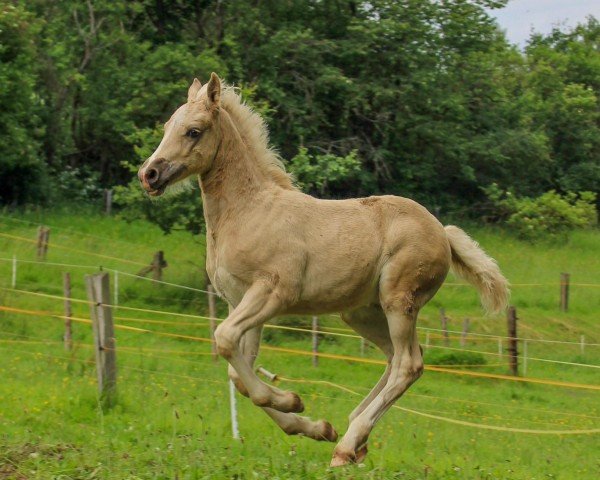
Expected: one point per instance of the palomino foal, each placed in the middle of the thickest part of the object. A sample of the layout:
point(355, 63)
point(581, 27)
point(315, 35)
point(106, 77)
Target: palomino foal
point(272, 250)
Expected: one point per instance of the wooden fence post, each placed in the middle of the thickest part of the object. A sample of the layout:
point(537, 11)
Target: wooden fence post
point(212, 313)
point(68, 338)
point(444, 321)
point(46, 242)
point(158, 264)
point(463, 338)
point(107, 201)
point(43, 239)
point(315, 341)
point(156, 267)
point(40, 241)
point(116, 288)
point(98, 292)
point(564, 291)
point(512, 340)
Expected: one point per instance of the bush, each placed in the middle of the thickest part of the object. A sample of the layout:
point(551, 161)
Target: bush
point(437, 357)
point(76, 184)
point(317, 173)
point(549, 216)
point(180, 209)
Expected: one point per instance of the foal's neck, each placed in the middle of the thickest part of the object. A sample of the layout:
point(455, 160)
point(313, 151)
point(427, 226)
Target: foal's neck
point(234, 179)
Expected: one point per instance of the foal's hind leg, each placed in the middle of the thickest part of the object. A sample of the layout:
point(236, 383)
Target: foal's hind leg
point(290, 423)
point(406, 366)
point(370, 322)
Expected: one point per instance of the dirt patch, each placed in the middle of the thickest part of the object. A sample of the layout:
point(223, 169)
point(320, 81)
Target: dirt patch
point(12, 456)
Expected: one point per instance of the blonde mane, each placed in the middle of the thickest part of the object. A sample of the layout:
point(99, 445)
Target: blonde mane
point(255, 134)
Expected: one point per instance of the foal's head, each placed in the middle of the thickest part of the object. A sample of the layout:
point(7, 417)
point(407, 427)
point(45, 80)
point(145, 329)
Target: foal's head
point(190, 141)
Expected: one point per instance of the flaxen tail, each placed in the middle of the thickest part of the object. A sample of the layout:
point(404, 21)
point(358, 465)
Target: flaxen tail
point(472, 264)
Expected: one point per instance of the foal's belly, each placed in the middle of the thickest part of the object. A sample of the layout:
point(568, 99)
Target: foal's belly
point(333, 302)
point(331, 287)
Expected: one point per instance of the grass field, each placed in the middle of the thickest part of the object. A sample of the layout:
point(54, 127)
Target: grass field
point(172, 415)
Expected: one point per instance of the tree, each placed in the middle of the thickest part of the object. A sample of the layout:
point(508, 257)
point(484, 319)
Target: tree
point(428, 97)
point(564, 78)
point(20, 107)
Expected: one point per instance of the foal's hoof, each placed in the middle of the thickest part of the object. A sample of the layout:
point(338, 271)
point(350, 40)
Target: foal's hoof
point(326, 432)
point(341, 458)
point(361, 453)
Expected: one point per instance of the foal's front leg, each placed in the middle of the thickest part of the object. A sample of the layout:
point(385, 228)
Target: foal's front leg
point(290, 423)
point(258, 305)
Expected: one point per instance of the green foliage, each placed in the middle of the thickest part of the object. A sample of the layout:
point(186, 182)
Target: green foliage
point(441, 357)
point(77, 184)
point(563, 81)
point(549, 216)
point(322, 173)
point(427, 97)
point(179, 210)
point(20, 106)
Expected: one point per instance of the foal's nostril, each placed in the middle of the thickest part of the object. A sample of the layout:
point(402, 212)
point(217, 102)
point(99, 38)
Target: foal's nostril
point(152, 175)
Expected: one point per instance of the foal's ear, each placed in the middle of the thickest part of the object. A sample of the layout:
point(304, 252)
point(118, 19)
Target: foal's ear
point(213, 90)
point(193, 90)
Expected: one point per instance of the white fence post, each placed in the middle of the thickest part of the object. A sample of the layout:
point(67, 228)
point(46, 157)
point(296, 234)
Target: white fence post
point(271, 376)
point(499, 346)
point(582, 343)
point(426, 340)
point(14, 272)
point(212, 313)
point(524, 357)
point(235, 432)
point(315, 341)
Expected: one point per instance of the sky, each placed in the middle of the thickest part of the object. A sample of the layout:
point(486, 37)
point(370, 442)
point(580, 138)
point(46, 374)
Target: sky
point(519, 17)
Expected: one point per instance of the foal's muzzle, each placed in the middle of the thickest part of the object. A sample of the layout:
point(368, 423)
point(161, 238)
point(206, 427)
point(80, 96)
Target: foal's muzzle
point(156, 175)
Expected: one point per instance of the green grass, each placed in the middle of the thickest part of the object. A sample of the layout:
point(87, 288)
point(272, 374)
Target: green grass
point(172, 415)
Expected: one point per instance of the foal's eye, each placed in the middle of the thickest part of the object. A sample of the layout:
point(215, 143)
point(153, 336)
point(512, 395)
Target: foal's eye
point(193, 133)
